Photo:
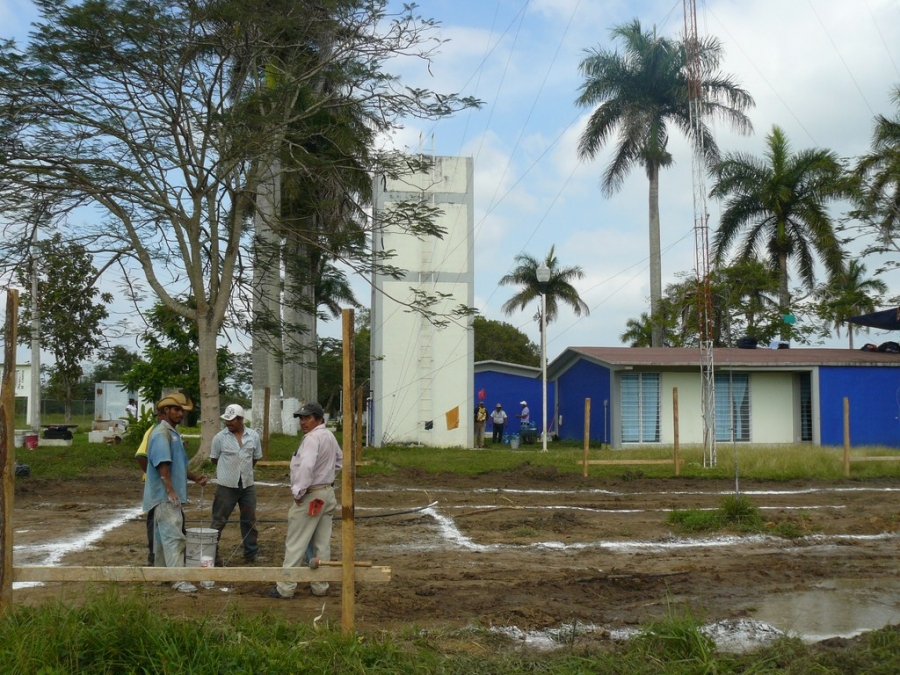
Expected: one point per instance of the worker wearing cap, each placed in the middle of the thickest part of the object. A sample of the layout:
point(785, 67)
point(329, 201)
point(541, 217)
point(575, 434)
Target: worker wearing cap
point(498, 420)
point(235, 451)
point(525, 415)
point(166, 487)
point(313, 469)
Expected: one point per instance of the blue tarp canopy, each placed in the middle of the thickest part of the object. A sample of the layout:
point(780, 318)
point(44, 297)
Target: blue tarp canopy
point(888, 319)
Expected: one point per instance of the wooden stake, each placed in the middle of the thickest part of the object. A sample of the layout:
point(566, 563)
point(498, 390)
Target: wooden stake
point(846, 437)
point(675, 419)
point(348, 478)
point(587, 434)
point(357, 429)
point(265, 434)
point(7, 448)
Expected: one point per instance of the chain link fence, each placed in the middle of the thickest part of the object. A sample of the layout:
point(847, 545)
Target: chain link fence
point(54, 412)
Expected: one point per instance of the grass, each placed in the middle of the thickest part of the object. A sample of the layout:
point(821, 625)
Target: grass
point(763, 462)
point(120, 632)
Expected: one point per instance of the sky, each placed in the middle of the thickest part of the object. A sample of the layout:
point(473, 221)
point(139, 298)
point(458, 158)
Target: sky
point(820, 69)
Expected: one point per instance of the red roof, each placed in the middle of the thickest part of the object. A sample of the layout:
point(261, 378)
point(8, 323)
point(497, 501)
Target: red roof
point(722, 357)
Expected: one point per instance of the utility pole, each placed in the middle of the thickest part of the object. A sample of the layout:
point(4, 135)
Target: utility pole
point(701, 237)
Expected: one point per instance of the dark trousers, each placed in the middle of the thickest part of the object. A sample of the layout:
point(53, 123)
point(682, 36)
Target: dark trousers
point(498, 433)
point(223, 504)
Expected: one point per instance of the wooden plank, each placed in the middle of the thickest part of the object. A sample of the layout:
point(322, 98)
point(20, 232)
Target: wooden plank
point(273, 462)
point(624, 462)
point(371, 575)
point(891, 458)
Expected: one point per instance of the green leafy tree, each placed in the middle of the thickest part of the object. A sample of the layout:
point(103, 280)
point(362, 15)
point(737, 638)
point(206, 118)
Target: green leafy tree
point(71, 311)
point(501, 341)
point(639, 332)
point(639, 94)
point(114, 363)
point(742, 304)
point(170, 359)
point(330, 369)
point(849, 294)
point(779, 205)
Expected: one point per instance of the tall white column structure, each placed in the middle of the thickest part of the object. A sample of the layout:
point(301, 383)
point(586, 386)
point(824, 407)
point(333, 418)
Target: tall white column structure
point(420, 372)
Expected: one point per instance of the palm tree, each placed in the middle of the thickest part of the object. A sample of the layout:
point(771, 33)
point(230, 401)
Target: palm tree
point(558, 289)
point(638, 95)
point(779, 204)
point(849, 294)
point(879, 176)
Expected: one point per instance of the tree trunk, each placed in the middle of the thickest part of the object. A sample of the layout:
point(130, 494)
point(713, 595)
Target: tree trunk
point(784, 296)
point(300, 375)
point(209, 384)
point(658, 329)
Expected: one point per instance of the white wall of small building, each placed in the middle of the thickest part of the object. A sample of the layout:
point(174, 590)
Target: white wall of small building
point(774, 408)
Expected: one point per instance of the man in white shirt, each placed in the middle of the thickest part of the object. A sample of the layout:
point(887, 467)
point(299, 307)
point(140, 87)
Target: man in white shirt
point(313, 469)
point(525, 415)
point(235, 451)
point(498, 420)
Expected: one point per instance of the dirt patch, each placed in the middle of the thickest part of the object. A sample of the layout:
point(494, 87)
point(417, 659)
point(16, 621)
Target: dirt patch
point(533, 548)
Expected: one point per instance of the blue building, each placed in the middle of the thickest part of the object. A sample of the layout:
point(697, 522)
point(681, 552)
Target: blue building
point(509, 384)
point(762, 395)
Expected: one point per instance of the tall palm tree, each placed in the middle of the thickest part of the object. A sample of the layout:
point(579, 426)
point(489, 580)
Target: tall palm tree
point(779, 204)
point(850, 294)
point(558, 290)
point(639, 94)
point(879, 175)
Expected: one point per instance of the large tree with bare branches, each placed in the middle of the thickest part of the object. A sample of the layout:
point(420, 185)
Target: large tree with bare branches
point(162, 116)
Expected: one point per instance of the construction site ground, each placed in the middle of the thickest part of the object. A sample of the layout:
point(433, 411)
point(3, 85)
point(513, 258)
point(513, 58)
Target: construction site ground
point(532, 548)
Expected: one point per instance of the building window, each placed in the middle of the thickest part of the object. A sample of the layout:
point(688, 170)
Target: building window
point(640, 407)
point(732, 407)
point(806, 407)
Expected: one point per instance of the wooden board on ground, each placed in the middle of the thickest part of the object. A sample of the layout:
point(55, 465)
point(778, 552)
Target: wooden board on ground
point(373, 574)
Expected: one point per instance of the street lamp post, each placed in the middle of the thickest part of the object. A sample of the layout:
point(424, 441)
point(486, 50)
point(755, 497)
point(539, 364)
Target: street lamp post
point(543, 276)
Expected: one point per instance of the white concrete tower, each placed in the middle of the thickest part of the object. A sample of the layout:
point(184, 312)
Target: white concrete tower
point(422, 373)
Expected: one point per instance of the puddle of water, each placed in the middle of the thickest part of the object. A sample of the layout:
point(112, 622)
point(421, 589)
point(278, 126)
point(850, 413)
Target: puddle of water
point(834, 608)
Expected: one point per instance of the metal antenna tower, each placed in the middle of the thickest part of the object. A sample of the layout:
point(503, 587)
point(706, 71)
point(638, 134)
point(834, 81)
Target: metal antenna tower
point(701, 236)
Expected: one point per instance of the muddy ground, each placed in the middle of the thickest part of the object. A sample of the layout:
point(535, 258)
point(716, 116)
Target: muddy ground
point(531, 548)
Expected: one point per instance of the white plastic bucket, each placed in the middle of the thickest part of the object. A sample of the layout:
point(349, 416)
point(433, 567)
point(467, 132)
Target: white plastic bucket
point(200, 550)
point(514, 442)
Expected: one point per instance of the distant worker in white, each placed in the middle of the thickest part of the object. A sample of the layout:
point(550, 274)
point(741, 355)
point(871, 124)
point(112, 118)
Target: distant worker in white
point(235, 451)
point(525, 415)
point(313, 469)
point(498, 420)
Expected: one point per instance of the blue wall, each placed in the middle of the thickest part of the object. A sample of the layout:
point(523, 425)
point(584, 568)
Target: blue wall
point(874, 395)
point(581, 381)
point(508, 390)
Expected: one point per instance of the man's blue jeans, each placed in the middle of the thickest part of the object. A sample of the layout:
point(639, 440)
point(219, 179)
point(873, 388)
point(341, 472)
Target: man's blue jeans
point(169, 540)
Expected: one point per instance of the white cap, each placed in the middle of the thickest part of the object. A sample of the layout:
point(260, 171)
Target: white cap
point(523, 402)
point(232, 411)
